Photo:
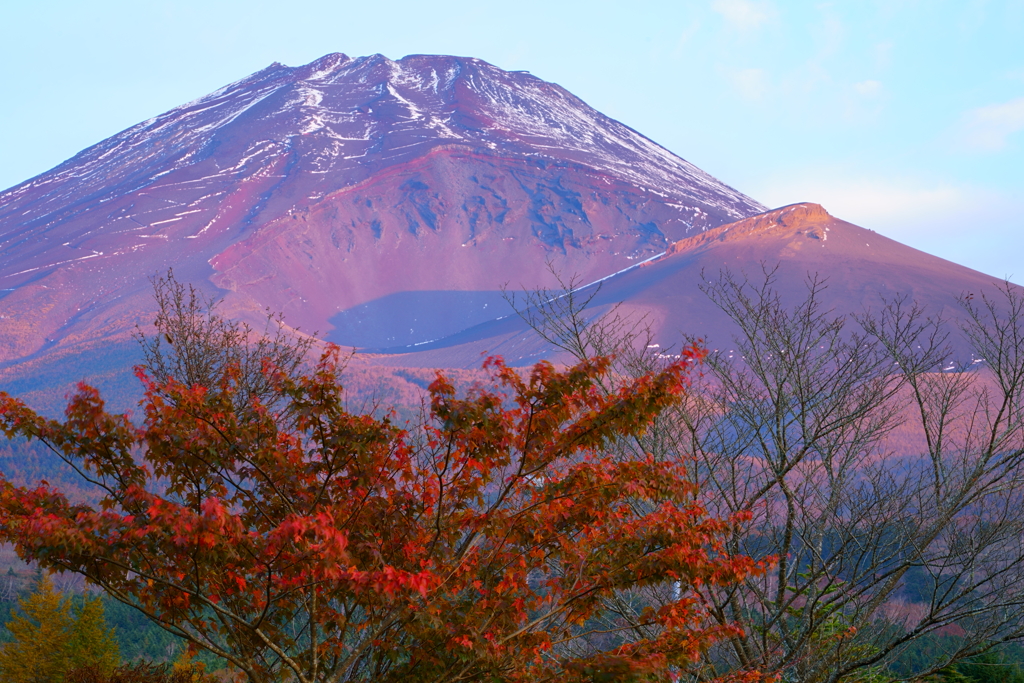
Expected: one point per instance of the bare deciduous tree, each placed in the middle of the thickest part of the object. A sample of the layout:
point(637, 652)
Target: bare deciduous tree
point(885, 477)
point(196, 346)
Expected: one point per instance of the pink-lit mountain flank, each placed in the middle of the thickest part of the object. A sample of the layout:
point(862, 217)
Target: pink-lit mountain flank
point(385, 204)
point(860, 268)
point(314, 189)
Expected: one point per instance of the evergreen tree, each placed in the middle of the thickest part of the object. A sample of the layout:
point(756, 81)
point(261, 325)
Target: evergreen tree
point(38, 651)
point(47, 639)
point(92, 642)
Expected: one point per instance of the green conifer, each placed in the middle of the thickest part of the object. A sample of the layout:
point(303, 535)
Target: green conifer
point(48, 640)
point(92, 642)
point(38, 650)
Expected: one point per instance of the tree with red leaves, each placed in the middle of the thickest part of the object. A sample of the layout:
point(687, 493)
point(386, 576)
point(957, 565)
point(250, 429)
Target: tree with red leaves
point(300, 541)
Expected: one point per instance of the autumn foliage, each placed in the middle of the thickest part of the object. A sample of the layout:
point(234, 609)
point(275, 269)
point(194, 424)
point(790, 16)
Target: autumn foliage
point(301, 541)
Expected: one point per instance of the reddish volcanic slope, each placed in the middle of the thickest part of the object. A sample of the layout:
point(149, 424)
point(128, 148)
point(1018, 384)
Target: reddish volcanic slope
point(319, 189)
point(860, 267)
point(385, 204)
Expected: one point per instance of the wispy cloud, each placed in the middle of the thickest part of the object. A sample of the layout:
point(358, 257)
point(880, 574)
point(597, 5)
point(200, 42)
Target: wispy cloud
point(869, 201)
point(750, 84)
point(975, 226)
point(744, 14)
point(882, 54)
point(868, 88)
point(987, 129)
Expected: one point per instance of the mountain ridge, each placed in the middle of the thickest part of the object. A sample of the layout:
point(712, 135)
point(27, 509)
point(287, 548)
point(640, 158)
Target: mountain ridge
point(392, 169)
point(386, 204)
point(788, 245)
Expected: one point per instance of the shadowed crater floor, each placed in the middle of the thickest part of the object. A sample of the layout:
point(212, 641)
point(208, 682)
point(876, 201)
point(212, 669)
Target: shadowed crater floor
point(405, 318)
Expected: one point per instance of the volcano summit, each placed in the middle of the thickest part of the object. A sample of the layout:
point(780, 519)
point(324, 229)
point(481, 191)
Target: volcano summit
point(315, 189)
point(385, 204)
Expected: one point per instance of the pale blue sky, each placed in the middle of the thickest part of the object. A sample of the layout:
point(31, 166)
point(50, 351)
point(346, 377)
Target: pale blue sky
point(904, 116)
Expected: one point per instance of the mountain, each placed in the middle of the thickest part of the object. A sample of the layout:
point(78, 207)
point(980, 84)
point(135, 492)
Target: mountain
point(386, 204)
point(316, 189)
point(859, 268)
